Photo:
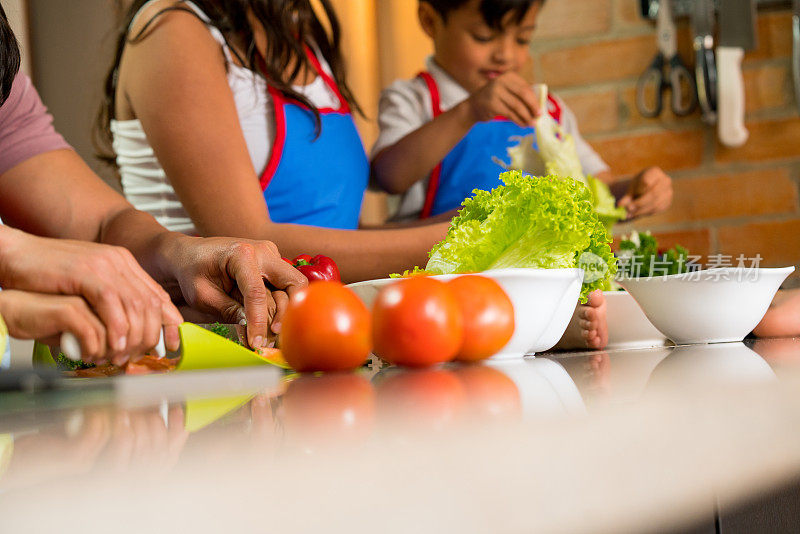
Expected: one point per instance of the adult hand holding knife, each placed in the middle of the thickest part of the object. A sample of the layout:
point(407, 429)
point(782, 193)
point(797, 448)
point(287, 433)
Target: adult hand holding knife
point(737, 34)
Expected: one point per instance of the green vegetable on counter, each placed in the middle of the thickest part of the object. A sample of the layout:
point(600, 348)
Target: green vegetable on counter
point(639, 256)
point(224, 331)
point(539, 222)
point(65, 364)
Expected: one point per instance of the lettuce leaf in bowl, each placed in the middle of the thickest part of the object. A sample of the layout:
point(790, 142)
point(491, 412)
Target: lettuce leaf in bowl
point(555, 154)
point(557, 150)
point(539, 222)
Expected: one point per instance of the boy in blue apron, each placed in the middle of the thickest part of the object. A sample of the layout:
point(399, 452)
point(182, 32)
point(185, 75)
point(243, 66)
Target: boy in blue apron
point(445, 132)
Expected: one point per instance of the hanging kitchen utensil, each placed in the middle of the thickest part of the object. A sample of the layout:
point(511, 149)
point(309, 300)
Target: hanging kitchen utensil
point(702, 16)
point(796, 51)
point(648, 8)
point(666, 72)
point(737, 33)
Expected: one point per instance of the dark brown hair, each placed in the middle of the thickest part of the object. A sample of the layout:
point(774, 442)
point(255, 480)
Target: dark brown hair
point(289, 25)
point(492, 11)
point(9, 57)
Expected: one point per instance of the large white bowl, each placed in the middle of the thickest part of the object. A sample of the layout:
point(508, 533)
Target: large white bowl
point(628, 326)
point(539, 296)
point(561, 317)
point(711, 306)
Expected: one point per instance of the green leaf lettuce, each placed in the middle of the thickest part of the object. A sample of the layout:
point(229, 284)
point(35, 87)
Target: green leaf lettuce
point(560, 156)
point(539, 222)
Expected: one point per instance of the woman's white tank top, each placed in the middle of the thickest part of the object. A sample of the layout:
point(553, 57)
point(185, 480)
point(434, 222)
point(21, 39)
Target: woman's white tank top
point(144, 181)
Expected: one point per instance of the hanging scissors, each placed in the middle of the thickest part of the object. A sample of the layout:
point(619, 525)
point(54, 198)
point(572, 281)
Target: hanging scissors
point(666, 72)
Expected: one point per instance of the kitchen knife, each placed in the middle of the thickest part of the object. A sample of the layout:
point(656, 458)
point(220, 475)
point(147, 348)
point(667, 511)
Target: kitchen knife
point(199, 349)
point(796, 51)
point(737, 33)
point(702, 16)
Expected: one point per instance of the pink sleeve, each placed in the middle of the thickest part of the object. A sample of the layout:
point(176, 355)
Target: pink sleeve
point(26, 129)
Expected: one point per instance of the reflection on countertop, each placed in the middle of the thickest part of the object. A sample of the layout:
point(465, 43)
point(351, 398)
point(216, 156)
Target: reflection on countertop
point(389, 424)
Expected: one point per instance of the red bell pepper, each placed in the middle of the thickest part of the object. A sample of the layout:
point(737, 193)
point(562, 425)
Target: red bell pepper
point(317, 268)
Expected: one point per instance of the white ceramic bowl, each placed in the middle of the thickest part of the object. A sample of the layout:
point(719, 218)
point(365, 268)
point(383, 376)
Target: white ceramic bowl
point(561, 318)
point(711, 306)
point(628, 326)
point(543, 302)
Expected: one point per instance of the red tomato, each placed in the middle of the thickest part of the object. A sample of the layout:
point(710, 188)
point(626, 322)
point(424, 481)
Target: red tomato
point(487, 315)
point(416, 322)
point(491, 394)
point(326, 328)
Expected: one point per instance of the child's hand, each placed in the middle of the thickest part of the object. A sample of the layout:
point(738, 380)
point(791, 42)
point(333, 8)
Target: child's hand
point(40, 316)
point(507, 95)
point(650, 192)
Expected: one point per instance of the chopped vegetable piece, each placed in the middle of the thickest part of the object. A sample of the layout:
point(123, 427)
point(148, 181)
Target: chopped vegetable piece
point(66, 364)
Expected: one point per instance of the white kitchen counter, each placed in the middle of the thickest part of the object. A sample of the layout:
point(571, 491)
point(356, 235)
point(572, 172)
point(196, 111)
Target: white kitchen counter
point(624, 441)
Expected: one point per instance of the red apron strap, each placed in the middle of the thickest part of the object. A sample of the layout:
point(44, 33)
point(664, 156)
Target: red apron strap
point(344, 107)
point(436, 101)
point(553, 108)
point(280, 138)
point(278, 102)
point(433, 180)
point(280, 130)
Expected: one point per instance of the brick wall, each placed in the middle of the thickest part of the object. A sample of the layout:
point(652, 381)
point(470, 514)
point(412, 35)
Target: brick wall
point(727, 201)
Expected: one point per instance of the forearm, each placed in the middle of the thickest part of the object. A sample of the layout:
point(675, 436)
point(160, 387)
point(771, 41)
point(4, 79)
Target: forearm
point(413, 223)
point(398, 167)
point(73, 203)
point(150, 243)
point(360, 254)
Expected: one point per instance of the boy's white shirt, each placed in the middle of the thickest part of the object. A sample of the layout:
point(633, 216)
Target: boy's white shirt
point(406, 105)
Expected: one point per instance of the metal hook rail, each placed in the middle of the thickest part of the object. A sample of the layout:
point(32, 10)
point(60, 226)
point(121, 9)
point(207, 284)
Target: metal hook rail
point(682, 8)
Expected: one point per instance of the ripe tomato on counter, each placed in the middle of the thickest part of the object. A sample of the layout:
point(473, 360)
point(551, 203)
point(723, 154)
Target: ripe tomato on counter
point(416, 322)
point(487, 314)
point(326, 328)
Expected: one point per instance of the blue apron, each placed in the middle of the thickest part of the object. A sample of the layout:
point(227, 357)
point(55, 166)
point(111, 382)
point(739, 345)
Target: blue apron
point(316, 181)
point(469, 165)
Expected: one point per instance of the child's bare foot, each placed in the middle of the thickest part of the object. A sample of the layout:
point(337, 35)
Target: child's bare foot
point(783, 316)
point(588, 327)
